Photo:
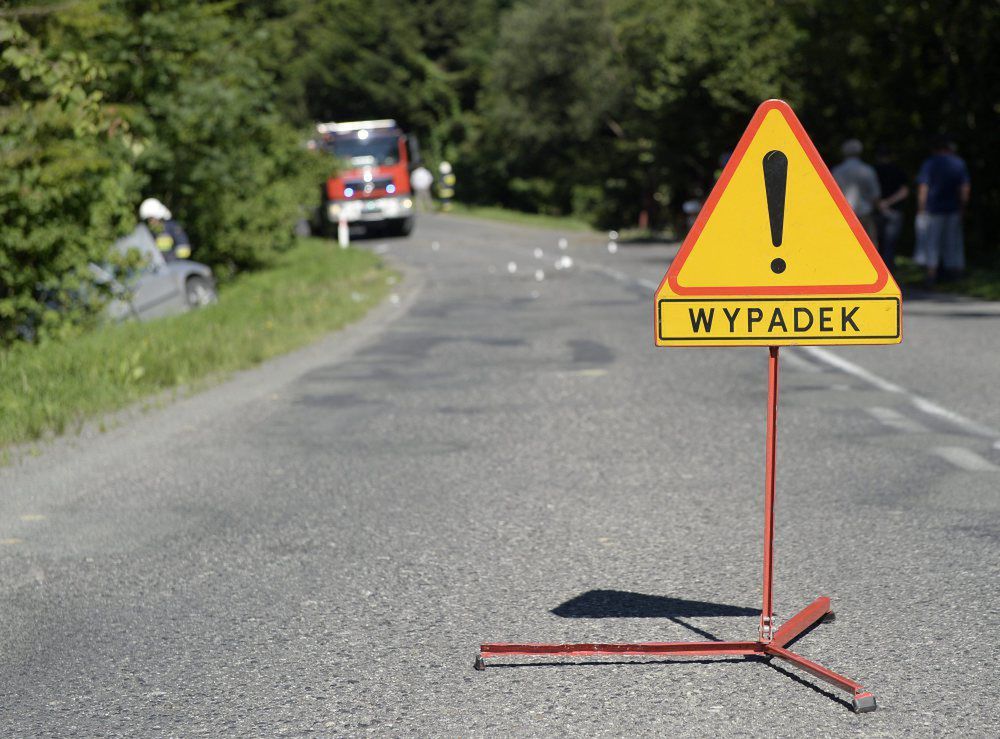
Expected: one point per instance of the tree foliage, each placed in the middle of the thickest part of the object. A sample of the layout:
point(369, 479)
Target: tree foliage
point(214, 146)
point(609, 108)
point(103, 103)
point(67, 189)
point(896, 73)
point(605, 108)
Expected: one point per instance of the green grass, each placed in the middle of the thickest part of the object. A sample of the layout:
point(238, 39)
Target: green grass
point(496, 213)
point(313, 289)
point(978, 282)
point(562, 223)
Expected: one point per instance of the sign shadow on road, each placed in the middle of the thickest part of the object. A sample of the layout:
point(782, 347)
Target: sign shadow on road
point(626, 604)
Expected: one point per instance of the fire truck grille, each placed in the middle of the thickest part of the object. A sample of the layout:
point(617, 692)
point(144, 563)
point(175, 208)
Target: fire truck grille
point(361, 187)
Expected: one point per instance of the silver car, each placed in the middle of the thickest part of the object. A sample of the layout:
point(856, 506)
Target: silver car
point(159, 288)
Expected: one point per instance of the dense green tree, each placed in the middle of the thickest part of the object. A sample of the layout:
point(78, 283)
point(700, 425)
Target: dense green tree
point(696, 71)
point(214, 148)
point(419, 62)
point(351, 59)
point(67, 188)
point(896, 73)
point(613, 109)
point(550, 98)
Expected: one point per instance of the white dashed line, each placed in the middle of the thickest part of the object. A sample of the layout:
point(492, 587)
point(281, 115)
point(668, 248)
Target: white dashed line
point(965, 459)
point(922, 404)
point(850, 368)
point(612, 273)
point(933, 409)
point(799, 363)
point(896, 420)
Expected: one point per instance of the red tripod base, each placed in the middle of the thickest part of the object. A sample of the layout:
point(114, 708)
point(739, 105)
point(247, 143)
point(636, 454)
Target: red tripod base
point(861, 700)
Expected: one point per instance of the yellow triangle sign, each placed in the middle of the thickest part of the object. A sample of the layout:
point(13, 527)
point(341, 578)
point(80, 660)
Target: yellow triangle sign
point(777, 256)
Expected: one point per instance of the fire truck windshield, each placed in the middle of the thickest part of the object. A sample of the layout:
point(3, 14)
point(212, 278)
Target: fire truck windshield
point(374, 151)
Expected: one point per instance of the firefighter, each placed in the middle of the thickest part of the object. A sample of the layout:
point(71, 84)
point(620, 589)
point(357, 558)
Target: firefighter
point(446, 185)
point(168, 234)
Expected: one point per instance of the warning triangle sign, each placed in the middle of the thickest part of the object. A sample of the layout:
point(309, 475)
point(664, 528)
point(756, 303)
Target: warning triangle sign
point(776, 225)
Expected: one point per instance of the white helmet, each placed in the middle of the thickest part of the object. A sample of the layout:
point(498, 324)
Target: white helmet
point(153, 208)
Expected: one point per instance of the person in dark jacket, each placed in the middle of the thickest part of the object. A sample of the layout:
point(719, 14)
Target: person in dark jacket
point(895, 189)
point(942, 193)
point(170, 238)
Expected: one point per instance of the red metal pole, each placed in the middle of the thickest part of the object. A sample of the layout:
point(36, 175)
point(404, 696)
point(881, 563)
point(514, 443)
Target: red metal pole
point(766, 614)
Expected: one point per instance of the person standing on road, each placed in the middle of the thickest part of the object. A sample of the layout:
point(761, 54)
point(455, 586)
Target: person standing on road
point(859, 183)
point(421, 181)
point(895, 189)
point(168, 234)
point(446, 185)
point(943, 189)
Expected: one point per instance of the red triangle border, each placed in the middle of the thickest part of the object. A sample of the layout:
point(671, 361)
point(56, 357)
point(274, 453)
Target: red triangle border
point(882, 274)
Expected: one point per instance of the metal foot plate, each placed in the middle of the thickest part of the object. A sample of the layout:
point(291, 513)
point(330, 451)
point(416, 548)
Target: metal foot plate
point(863, 703)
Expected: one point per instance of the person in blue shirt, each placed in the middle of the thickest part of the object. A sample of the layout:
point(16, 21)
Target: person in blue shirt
point(170, 238)
point(943, 189)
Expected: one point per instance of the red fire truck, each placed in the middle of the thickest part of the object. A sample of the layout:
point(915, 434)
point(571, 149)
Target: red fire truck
point(372, 185)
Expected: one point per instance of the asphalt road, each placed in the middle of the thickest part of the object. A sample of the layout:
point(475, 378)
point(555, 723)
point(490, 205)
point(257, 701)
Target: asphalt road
point(318, 546)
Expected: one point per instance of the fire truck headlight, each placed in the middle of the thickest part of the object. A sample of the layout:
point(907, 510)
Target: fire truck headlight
point(333, 211)
point(407, 203)
point(390, 188)
point(348, 192)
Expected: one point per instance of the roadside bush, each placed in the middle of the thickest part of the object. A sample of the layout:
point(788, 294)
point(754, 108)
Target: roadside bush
point(213, 148)
point(104, 102)
point(67, 188)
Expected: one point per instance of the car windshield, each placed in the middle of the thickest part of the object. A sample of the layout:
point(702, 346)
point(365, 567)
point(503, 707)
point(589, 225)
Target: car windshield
point(371, 152)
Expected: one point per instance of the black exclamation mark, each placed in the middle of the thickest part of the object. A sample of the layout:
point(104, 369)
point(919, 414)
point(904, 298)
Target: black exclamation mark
point(775, 179)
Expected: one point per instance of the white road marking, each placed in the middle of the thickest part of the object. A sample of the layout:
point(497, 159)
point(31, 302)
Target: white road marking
point(965, 459)
point(799, 363)
point(828, 357)
point(896, 420)
point(920, 403)
point(933, 409)
point(612, 273)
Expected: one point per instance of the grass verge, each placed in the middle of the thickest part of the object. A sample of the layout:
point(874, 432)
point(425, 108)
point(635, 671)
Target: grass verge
point(562, 223)
point(977, 282)
point(496, 213)
point(311, 290)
